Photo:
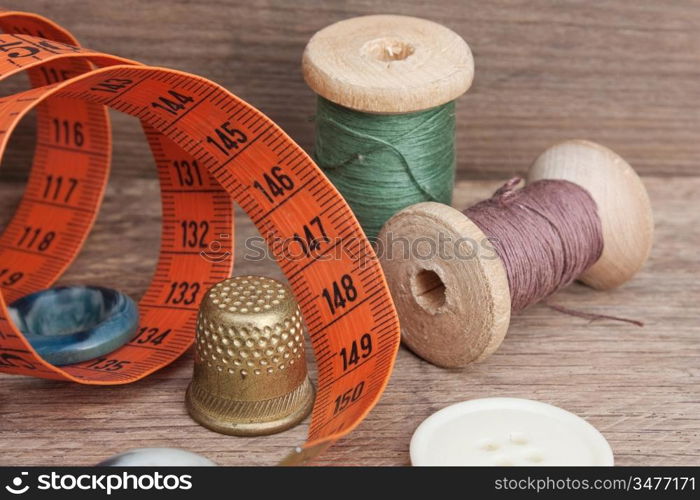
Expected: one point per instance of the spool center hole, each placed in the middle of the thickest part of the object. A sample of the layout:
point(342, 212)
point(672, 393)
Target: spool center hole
point(429, 290)
point(388, 49)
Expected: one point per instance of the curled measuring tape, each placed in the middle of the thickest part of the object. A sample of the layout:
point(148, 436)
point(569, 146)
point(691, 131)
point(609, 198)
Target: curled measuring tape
point(209, 147)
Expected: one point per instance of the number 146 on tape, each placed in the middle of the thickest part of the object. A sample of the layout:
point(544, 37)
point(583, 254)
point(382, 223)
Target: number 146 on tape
point(209, 147)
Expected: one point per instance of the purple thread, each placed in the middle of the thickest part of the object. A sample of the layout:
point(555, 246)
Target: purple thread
point(547, 234)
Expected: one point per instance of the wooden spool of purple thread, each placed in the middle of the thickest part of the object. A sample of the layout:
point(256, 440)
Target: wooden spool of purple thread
point(457, 310)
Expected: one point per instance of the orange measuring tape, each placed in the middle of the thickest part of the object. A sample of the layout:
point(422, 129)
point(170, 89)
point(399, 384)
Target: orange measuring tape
point(209, 147)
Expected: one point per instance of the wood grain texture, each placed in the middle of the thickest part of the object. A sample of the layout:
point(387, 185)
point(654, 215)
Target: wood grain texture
point(617, 72)
point(639, 386)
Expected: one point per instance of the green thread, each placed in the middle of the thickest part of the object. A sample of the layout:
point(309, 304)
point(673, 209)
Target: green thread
point(384, 163)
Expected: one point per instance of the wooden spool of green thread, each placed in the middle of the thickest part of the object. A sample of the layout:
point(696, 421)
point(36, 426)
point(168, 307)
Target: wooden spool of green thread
point(385, 125)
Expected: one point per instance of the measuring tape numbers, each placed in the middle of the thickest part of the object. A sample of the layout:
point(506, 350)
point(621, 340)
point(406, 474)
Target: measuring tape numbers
point(209, 146)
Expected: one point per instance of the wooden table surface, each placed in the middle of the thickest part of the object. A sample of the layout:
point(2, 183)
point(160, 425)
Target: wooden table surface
point(638, 386)
point(621, 72)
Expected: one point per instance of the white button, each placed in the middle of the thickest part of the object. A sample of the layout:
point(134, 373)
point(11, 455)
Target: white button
point(157, 457)
point(508, 431)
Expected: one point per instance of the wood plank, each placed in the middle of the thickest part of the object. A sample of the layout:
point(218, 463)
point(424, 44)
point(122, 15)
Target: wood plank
point(621, 73)
point(637, 385)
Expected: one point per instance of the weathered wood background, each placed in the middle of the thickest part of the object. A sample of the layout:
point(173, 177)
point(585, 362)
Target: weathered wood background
point(624, 73)
point(619, 72)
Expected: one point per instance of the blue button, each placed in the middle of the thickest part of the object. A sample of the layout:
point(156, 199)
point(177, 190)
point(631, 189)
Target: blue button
point(67, 325)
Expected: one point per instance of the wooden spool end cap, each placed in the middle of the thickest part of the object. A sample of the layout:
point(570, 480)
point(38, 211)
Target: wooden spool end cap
point(623, 205)
point(449, 286)
point(388, 64)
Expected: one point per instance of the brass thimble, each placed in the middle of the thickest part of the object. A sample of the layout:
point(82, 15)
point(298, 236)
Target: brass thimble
point(250, 374)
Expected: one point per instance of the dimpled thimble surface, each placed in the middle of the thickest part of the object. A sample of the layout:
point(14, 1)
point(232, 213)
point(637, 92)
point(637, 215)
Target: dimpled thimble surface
point(250, 374)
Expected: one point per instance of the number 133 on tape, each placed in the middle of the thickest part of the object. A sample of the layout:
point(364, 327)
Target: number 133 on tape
point(209, 147)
